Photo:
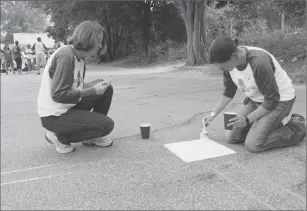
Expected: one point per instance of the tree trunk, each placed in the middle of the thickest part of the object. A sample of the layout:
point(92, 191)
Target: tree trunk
point(282, 22)
point(146, 22)
point(193, 15)
point(118, 37)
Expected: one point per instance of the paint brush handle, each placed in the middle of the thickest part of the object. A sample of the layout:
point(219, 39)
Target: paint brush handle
point(204, 132)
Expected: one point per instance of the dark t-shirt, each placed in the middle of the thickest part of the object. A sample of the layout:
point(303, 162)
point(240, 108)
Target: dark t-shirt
point(7, 55)
point(17, 52)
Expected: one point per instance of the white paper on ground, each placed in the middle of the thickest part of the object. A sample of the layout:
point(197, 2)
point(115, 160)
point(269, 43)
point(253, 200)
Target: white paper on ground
point(196, 150)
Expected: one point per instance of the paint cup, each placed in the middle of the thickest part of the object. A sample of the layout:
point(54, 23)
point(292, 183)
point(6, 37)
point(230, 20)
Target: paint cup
point(145, 130)
point(227, 135)
point(227, 117)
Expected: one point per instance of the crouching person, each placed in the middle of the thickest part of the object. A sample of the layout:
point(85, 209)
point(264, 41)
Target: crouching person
point(270, 97)
point(65, 101)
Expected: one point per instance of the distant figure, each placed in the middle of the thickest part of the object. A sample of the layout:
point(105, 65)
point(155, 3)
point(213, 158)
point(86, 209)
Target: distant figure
point(39, 49)
point(29, 56)
point(2, 62)
point(56, 45)
point(8, 58)
point(17, 56)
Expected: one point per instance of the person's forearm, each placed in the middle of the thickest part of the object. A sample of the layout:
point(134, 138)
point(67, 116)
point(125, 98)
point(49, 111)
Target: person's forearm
point(223, 102)
point(257, 114)
point(87, 92)
point(92, 83)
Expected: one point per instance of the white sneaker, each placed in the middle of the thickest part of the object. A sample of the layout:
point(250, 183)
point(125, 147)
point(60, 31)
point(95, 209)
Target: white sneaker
point(59, 147)
point(101, 142)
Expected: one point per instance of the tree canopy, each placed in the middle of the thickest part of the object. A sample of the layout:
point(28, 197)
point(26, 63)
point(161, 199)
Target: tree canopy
point(19, 16)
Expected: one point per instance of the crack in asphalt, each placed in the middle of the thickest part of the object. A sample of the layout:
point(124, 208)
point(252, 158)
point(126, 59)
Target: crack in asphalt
point(298, 186)
point(183, 123)
point(3, 103)
point(248, 193)
point(5, 116)
point(169, 93)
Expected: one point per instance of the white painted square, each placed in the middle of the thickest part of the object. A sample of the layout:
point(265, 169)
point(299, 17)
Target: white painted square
point(196, 150)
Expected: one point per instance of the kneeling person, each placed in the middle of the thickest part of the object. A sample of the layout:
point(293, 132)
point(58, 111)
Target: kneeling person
point(270, 97)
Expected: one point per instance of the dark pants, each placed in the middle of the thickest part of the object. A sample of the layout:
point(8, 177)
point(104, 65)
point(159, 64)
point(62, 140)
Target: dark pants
point(79, 123)
point(18, 61)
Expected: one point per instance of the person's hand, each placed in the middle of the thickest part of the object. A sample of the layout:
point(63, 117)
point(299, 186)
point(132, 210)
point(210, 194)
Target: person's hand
point(238, 121)
point(106, 82)
point(96, 81)
point(207, 120)
point(100, 80)
point(92, 83)
point(100, 88)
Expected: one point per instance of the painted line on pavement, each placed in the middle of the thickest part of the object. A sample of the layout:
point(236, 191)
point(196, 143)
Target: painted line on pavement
point(27, 169)
point(33, 179)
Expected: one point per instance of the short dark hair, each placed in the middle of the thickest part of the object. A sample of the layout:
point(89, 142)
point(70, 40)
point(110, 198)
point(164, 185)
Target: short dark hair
point(16, 42)
point(221, 49)
point(39, 39)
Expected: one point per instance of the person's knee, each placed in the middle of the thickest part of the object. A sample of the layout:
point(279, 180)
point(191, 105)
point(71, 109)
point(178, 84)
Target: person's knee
point(108, 126)
point(111, 124)
point(251, 146)
point(109, 90)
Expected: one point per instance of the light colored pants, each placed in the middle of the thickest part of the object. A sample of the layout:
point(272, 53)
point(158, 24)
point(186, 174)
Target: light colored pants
point(267, 132)
point(40, 59)
point(29, 63)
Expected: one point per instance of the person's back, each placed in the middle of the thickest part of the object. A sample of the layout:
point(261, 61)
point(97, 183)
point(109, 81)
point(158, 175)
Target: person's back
point(39, 48)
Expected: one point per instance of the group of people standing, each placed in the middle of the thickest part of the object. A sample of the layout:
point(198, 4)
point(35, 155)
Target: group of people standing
point(11, 60)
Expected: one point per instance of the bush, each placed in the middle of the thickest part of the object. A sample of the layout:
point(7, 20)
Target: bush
point(168, 51)
point(284, 45)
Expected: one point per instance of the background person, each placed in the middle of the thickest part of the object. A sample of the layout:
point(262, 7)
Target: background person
point(17, 57)
point(29, 56)
point(8, 59)
point(39, 48)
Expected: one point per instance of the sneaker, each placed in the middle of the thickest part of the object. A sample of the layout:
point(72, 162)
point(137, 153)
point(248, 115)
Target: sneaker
point(60, 148)
point(101, 142)
point(299, 116)
point(297, 124)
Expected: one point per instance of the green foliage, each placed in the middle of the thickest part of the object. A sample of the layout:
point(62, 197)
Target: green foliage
point(168, 23)
point(221, 22)
point(18, 16)
point(131, 25)
point(154, 30)
point(285, 44)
